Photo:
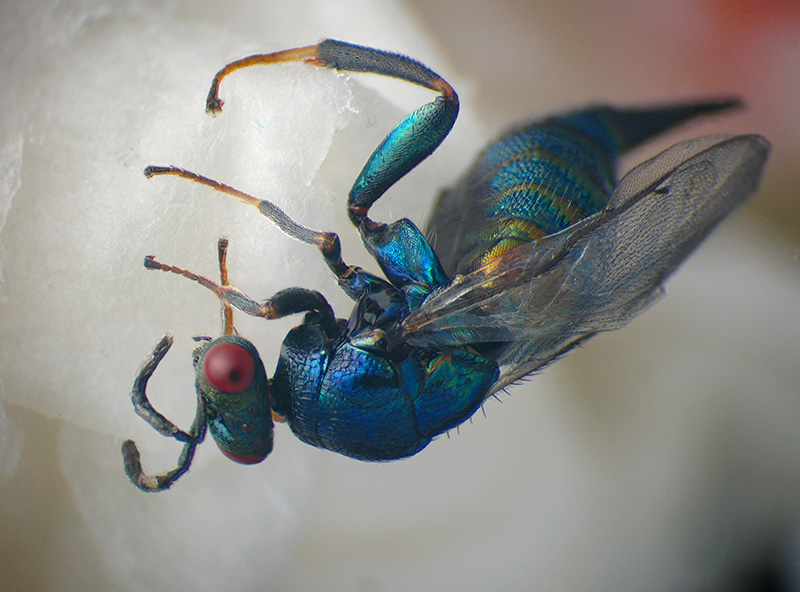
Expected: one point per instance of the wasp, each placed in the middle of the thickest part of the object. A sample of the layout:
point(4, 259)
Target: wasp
point(536, 249)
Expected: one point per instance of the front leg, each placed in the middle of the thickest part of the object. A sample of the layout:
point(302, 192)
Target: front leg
point(145, 410)
point(142, 405)
point(161, 481)
point(352, 279)
point(284, 303)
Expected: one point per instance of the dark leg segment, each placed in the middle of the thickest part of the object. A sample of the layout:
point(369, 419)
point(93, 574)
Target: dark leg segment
point(162, 481)
point(413, 139)
point(410, 142)
point(352, 278)
point(145, 410)
point(139, 394)
point(284, 303)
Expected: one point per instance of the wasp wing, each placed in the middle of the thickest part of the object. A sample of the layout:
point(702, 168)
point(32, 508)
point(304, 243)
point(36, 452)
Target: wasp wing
point(537, 301)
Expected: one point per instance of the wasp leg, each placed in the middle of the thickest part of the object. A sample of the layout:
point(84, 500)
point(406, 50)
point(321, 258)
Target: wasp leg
point(399, 248)
point(141, 403)
point(286, 302)
point(413, 139)
point(162, 481)
point(352, 278)
point(145, 410)
point(410, 142)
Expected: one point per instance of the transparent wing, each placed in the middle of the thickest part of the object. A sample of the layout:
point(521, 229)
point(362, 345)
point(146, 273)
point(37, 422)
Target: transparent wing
point(538, 300)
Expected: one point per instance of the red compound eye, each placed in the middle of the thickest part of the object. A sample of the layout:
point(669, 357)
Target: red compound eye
point(229, 368)
point(245, 459)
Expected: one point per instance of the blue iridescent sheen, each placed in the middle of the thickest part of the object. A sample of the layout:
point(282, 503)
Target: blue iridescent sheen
point(537, 248)
point(541, 178)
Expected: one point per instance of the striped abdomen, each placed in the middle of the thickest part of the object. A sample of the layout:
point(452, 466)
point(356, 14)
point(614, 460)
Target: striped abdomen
point(541, 178)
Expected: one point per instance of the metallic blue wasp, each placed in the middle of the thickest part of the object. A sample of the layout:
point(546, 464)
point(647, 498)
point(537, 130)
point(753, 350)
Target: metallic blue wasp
point(536, 249)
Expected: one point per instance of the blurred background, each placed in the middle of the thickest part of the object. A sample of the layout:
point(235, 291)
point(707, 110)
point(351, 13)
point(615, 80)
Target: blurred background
point(525, 57)
point(662, 457)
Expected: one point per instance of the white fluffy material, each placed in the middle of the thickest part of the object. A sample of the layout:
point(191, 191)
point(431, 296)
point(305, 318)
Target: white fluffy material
point(658, 457)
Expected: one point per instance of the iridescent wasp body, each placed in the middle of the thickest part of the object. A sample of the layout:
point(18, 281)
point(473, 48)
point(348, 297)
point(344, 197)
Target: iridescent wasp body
point(535, 249)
